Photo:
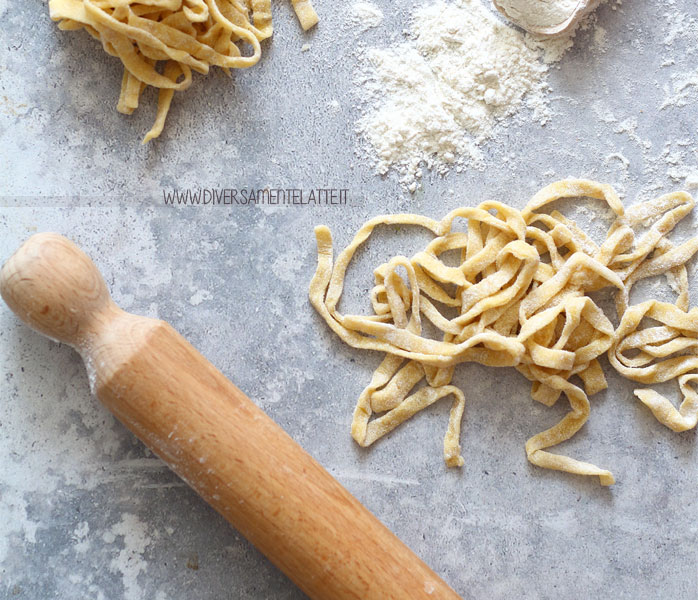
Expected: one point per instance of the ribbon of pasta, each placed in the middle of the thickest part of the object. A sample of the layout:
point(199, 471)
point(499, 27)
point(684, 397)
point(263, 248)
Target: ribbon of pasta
point(186, 34)
point(521, 293)
point(661, 354)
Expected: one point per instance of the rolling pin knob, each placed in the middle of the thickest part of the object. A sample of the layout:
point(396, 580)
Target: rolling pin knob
point(55, 288)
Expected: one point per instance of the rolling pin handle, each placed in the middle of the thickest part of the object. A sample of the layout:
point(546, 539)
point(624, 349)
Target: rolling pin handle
point(187, 412)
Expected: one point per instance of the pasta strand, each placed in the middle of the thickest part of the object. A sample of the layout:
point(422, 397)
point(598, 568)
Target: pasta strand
point(521, 294)
point(185, 35)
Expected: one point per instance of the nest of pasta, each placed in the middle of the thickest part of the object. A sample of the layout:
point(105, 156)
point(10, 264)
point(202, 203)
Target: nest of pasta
point(160, 42)
point(522, 300)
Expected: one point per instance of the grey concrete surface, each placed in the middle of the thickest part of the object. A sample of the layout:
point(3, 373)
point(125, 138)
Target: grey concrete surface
point(87, 512)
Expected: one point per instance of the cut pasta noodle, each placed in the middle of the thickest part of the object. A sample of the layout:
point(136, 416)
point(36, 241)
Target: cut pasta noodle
point(521, 295)
point(185, 35)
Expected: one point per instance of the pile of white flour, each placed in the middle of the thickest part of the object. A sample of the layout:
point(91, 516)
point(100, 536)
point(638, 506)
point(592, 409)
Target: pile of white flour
point(433, 99)
point(364, 15)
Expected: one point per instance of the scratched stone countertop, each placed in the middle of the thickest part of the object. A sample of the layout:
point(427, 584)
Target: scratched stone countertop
point(86, 511)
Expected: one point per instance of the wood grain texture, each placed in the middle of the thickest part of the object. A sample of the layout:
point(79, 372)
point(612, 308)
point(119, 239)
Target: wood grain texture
point(213, 436)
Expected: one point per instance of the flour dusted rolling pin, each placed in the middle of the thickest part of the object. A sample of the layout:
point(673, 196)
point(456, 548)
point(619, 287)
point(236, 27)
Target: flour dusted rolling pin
point(212, 435)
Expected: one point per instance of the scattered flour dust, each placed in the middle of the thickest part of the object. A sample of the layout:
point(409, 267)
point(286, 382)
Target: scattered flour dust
point(364, 15)
point(199, 296)
point(434, 99)
point(130, 561)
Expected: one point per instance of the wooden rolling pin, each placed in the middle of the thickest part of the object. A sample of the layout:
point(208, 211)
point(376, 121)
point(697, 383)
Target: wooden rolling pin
point(212, 435)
